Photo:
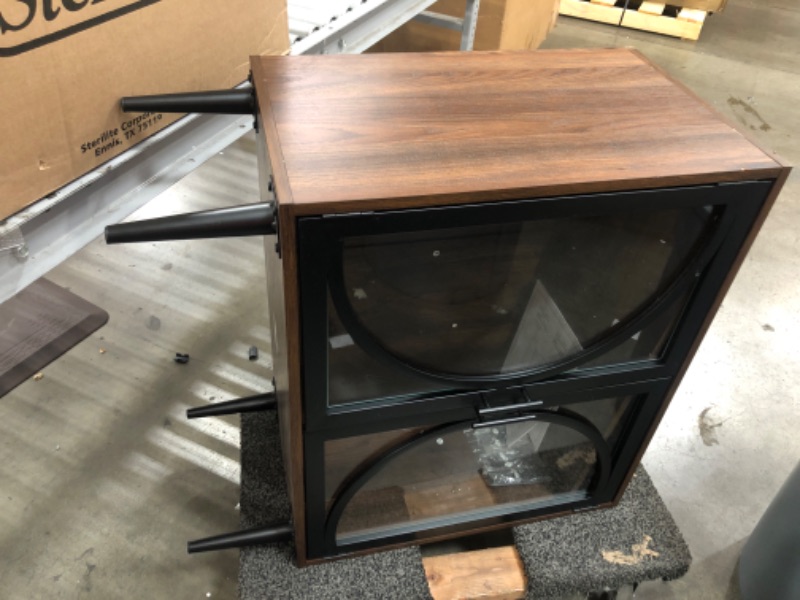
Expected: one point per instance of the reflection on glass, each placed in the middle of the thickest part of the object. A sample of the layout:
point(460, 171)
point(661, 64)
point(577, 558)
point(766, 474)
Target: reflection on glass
point(343, 456)
point(465, 472)
point(649, 343)
point(354, 375)
point(503, 298)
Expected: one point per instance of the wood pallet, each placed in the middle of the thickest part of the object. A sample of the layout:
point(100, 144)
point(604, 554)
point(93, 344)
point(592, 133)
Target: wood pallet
point(685, 23)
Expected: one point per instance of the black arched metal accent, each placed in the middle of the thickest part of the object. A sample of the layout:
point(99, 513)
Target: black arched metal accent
point(660, 301)
point(562, 416)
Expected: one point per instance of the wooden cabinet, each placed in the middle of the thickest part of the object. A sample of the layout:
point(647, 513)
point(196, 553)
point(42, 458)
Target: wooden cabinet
point(487, 257)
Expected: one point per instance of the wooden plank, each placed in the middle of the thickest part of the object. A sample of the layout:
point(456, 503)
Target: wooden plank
point(652, 8)
point(605, 2)
point(690, 14)
point(592, 11)
point(685, 29)
point(707, 6)
point(492, 574)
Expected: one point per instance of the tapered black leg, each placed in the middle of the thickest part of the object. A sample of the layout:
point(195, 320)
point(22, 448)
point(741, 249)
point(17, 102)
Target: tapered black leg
point(231, 407)
point(279, 532)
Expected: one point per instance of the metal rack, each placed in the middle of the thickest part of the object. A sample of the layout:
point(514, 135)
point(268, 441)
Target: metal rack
point(352, 26)
point(40, 237)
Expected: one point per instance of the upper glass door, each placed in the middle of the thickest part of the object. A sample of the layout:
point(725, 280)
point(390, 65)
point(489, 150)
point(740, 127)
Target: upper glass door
point(502, 299)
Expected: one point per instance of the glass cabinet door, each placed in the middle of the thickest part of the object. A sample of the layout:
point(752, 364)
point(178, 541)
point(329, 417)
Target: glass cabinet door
point(501, 298)
point(409, 480)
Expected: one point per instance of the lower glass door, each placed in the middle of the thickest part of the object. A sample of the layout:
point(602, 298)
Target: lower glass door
point(411, 480)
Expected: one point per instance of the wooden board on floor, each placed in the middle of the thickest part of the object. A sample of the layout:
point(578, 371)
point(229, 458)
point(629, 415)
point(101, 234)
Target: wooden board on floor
point(492, 574)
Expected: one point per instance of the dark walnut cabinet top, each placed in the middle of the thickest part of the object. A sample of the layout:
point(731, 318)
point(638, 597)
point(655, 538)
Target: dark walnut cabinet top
point(380, 131)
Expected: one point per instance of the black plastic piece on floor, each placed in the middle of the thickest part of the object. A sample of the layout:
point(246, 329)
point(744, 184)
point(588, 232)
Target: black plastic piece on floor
point(180, 358)
point(252, 354)
point(231, 407)
point(237, 221)
point(223, 102)
point(279, 532)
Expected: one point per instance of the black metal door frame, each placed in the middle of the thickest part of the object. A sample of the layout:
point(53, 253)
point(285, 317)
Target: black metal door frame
point(318, 238)
point(321, 524)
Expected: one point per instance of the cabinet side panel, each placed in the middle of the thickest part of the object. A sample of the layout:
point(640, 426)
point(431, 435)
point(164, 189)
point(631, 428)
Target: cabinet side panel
point(284, 329)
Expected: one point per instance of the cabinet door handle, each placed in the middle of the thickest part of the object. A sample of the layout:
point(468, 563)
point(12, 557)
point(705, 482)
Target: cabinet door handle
point(494, 410)
point(508, 421)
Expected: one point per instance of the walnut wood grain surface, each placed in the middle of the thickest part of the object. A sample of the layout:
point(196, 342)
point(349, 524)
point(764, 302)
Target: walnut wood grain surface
point(284, 322)
point(368, 132)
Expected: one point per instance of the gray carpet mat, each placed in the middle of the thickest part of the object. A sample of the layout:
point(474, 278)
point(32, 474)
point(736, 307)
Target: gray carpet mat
point(606, 549)
point(38, 325)
point(268, 572)
point(580, 553)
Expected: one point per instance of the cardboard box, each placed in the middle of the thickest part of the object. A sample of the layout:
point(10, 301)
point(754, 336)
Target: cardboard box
point(502, 25)
point(65, 64)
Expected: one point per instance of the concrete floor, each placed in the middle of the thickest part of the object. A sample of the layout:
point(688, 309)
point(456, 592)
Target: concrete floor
point(103, 480)
point(747, 372)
